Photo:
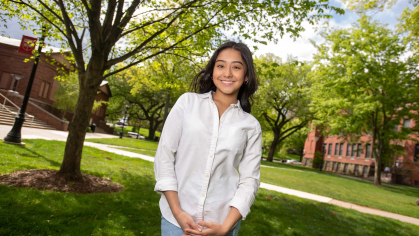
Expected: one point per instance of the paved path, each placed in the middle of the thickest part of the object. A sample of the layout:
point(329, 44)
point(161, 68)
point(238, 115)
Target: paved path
point(31, 133)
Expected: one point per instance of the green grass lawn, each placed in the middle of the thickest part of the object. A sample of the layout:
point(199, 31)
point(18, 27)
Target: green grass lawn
point(143, 131)
point(135, 211)
point(140, 151)
point(127, 142)
point(278, 156)
point(394, 198)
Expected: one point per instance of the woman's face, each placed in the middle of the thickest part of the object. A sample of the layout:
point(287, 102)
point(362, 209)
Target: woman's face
point(229, 72)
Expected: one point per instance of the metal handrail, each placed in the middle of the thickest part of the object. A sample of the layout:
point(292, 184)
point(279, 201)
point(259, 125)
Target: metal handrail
point(4, 106)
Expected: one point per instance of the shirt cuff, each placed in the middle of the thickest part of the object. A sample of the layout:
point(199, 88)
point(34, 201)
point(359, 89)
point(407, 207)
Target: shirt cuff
point(167, 184)
point(243, 208)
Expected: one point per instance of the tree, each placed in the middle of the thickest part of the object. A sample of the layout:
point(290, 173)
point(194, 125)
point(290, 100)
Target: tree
point(408, 24)
point(102, 34)
point(297, 140)
point(362, 6)
point(362, 86)
point(68, 92)
point(281, 102)
point(153, 88)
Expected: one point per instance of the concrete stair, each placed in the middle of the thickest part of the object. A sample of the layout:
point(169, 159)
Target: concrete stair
point(7, 118)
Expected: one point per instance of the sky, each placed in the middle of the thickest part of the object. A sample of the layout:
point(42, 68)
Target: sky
point(300, 48)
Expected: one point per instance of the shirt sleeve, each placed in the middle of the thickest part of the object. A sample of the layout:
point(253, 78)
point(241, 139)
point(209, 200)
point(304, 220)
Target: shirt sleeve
point(249, 169)
point(164, 161)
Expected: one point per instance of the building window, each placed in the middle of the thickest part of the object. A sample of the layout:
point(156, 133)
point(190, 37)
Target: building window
point(340, 149)
point(327, 165)
point(348, 150)
point(44, 90)
point(406, 123)
point(345, 168)
point(358, 152)
point(396, 128)
point(329, 151)
point(336, 149)
point(416, 157)
point(334, 166)
point(353, 150)
point(368, 151)
point(324, 148)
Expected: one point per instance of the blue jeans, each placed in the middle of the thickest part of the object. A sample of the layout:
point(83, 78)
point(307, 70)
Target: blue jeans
point(169, 229)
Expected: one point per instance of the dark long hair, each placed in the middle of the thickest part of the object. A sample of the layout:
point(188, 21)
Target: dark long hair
point(203, 83)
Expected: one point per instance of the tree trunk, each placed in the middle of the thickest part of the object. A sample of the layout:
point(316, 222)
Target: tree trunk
point(70, 166)
point(378, 160)
point(272, 148)
point(151, 130)
point(301, 154)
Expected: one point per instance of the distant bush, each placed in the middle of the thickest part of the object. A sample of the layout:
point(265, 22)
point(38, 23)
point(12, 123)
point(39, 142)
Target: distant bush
point(318, 159)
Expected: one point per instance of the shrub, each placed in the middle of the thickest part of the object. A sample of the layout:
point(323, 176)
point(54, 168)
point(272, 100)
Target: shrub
point(318, 159)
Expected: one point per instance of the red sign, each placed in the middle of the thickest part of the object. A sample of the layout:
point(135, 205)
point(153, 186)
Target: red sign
point(27, 45)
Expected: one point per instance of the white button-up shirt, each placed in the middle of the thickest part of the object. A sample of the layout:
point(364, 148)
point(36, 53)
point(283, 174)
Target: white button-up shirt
point(199, 156)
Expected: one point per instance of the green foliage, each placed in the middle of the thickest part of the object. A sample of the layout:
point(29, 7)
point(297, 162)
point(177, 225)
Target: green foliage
point(67, 94)
point(362, 85)
point(318, 159)
point(408, 24)
point(151, 88)
point(104, 34)
point(362, 6)
point(281, 102)
point(296, 140)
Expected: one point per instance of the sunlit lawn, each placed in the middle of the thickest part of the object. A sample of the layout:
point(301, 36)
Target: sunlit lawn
point(135, 211)
point(143, 131)
point(127, 142)
point(394, 198)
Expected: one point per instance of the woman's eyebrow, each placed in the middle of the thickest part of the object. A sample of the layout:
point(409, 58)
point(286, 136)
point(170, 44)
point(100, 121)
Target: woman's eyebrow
point(233, 61)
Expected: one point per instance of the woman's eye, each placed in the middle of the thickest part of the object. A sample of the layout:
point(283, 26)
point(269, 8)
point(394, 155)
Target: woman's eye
point(236, 67)
point(220, 66)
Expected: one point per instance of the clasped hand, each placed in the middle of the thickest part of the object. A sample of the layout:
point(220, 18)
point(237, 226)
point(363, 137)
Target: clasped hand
point(189, 227)
point(211, 229)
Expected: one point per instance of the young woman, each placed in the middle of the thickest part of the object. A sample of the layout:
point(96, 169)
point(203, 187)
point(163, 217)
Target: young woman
point(207, 164)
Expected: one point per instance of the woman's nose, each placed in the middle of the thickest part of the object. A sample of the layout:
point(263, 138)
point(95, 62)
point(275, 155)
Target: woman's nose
point(228, 73)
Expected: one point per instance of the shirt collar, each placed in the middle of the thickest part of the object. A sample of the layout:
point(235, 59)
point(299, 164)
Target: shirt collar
point(208, 95)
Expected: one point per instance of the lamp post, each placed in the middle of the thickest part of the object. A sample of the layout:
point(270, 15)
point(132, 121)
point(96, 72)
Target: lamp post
point(123, 121)
point(14, 136)
point(17, 78)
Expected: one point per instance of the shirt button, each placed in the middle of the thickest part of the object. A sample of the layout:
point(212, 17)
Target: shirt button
point(207, 176)
point(203, 195)
point(215, 137)
point(210, 155)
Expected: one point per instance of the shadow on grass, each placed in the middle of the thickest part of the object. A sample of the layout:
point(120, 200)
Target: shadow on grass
point(34, 154)
point(133, 211)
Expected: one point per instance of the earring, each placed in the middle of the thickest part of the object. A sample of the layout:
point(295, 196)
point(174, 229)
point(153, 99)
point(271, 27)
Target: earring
point(245, 82)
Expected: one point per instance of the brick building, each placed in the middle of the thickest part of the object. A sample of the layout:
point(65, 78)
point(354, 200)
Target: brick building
point(42, 95)
point(355, 158)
